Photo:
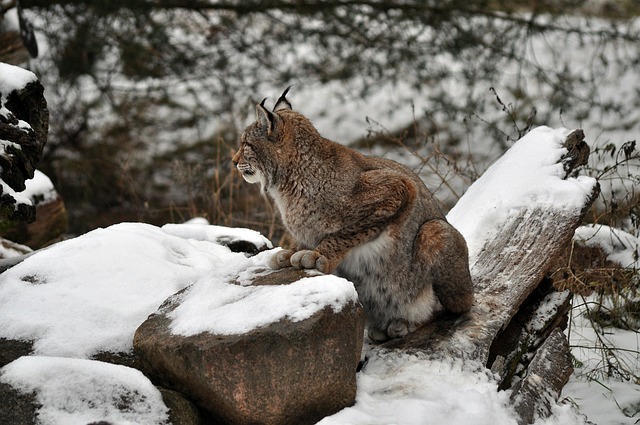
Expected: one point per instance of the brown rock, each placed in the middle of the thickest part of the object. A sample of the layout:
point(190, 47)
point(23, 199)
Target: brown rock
point(181, 410)
point(283, 373)
point(49, 226)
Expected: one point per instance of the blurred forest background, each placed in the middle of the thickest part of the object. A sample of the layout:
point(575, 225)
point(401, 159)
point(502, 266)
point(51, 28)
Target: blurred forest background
point(147, 97)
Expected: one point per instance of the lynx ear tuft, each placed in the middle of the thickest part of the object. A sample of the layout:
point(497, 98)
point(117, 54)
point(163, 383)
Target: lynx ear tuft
point(282, 102)
point(264, 117)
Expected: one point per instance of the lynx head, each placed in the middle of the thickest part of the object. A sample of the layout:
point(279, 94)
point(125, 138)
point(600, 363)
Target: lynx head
point(269, 145)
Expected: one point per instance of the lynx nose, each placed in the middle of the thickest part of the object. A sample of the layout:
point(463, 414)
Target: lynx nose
point(236, 158)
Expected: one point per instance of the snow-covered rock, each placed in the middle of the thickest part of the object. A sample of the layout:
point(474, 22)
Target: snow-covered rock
point(281, 349)
point(88, 295)
point(24, 123)
point(51, 215)
point(74, 391)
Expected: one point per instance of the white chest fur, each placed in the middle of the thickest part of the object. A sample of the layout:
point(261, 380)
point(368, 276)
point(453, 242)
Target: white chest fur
point(364, 259)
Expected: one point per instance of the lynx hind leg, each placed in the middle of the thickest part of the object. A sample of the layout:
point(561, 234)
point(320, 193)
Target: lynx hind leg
point(443, 252)
point(280, 259)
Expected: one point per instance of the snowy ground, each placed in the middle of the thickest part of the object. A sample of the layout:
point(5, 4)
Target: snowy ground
point(89, 294)
point(606, 400)
point(599, 386)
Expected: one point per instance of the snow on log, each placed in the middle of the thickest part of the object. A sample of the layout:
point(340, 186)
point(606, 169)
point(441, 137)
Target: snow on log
point(517, 219)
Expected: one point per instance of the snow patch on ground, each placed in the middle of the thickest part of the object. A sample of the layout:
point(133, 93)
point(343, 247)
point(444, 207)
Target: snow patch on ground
point(39, 189)
point(401, 388)
point(621, 247)
point(194, 229)
point(599, 387)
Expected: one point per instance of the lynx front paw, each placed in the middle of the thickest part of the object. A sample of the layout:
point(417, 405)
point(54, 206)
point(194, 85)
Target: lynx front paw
point(307, 259)
point(280, 259)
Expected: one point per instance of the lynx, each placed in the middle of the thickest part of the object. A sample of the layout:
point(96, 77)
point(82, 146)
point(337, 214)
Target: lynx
point(370, 220)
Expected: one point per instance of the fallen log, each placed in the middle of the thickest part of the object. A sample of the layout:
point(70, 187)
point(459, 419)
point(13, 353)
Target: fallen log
point(518, 316)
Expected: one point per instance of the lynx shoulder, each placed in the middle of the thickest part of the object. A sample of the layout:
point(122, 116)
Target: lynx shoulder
point(371, 220)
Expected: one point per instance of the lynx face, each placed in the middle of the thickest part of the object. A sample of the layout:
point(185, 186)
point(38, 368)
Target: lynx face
point(257, 157)
point(247, 163)
point(262, 150)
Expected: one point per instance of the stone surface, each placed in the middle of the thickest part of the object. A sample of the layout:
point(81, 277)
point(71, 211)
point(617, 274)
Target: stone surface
point(181, 410)
point(17, 408)
point(29, 105)
point(22, 146)
point(11, 349)
point(283, 373)
point(49, 226)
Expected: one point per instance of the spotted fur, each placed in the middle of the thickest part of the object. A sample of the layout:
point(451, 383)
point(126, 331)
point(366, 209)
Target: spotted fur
point(371, 220)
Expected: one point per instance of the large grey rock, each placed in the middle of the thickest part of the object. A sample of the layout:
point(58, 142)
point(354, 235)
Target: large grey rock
point(283, 373)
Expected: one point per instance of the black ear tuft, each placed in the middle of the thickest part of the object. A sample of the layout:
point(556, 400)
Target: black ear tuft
point(282, 102)
point(264, 117)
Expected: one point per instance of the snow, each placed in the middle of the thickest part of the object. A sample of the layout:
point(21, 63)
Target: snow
point(198, 229)
point(78, 392)
point(599, 387)
point(220, 308)
point(407, 389)
point(10, 249)
point(528, 176)
point(14, 78)
point(89, 294)
point(18, 196)
point(621, 247)
point(39, 189)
